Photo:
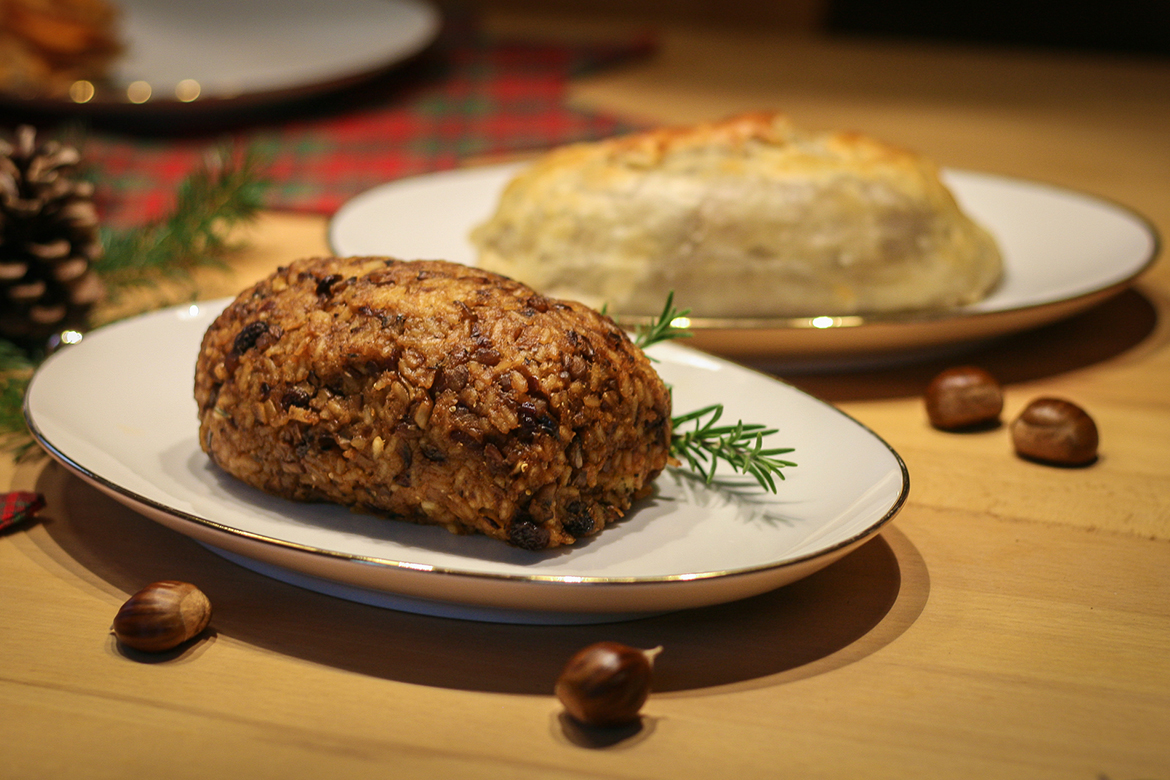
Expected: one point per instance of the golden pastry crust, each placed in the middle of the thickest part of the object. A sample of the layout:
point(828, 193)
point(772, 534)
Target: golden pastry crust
point(435, 393)
point(749, 217)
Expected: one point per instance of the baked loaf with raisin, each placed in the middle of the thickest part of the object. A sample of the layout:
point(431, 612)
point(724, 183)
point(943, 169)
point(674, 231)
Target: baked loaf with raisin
point(435, 393)
point(749, 217)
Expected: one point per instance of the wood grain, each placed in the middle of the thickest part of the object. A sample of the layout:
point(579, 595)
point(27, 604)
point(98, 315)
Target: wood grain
point(1013, 622)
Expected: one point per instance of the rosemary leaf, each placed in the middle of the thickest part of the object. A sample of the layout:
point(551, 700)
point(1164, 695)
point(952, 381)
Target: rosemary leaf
point(663, 328)
point(741, 446)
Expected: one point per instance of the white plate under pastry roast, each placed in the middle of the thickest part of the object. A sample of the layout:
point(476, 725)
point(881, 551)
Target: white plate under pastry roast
point(1063, 252)
point(134, 435)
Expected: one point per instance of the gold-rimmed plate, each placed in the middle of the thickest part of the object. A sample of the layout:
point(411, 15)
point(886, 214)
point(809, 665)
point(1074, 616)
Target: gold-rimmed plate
point(134, 435)
point(1064, 251)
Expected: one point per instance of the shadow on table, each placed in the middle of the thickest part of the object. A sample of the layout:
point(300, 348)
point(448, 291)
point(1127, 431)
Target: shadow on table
point(828, 620)
point(1123, 323)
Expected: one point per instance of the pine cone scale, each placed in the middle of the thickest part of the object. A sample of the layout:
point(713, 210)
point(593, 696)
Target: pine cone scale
point(73, 268)
point(48, 240)
point(53, 250)
point(12, 271)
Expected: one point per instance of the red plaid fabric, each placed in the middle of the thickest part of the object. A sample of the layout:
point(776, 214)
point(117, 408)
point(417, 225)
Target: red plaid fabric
point(20, 506)
point(468, 96)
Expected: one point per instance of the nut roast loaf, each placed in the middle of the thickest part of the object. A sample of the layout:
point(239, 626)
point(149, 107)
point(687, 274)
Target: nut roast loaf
point(432, 392)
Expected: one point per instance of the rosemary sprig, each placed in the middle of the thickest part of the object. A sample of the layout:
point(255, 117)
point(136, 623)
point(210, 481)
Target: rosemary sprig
point(741, 445)
point(663, 328)
point(225, 191)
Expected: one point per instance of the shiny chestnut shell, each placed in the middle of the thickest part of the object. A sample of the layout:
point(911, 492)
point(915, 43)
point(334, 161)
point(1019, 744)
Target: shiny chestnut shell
point(1057, 431)
point(162, 616)
point(606, 684)
point(963, 397)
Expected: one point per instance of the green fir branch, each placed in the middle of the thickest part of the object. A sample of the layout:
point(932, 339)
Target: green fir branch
point(226, 191)
point(15, 373)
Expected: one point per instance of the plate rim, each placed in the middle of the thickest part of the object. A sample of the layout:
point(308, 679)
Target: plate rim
point(136, 501)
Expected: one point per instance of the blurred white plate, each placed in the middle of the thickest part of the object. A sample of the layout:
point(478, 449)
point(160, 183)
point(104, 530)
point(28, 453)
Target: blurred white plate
point(132, 431)
point(255, 51)
point(1063, 251)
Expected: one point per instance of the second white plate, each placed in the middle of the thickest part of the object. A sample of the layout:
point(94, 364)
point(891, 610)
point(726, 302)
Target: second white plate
point(1064, 251)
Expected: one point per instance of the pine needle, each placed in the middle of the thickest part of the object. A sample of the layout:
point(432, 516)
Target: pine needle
point(15, 373)
point(224, 192)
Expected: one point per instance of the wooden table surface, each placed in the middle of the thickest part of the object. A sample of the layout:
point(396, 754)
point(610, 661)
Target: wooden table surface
point(1013, 621)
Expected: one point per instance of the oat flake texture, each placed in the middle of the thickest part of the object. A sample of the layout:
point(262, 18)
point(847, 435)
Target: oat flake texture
point(432, 392)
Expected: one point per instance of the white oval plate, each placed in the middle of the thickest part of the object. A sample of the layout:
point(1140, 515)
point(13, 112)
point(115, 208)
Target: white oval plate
point(248, 50)
point(1063, 251)
point(118, 410)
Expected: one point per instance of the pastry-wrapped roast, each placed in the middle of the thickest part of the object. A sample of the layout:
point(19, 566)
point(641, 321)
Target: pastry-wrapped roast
point(432, 392)
point(749, 217)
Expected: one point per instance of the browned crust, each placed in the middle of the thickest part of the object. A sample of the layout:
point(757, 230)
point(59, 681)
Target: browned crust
point(766, 127)
point(432, 392)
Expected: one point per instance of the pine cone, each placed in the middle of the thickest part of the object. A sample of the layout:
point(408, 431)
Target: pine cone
point(48, 240)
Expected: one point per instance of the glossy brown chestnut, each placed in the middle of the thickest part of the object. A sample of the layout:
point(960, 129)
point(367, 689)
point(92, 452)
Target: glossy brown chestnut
point(963, 397)
point(1053, 430)
point(606, 684)
point(162, 616)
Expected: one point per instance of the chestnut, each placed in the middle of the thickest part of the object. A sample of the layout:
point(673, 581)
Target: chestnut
point(963, 397)
point(1056, 431)
point(606, 684)
point(162, 616)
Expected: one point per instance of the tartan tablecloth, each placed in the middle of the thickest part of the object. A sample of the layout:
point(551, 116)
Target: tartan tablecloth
point(468, 96)
point(18, 507)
